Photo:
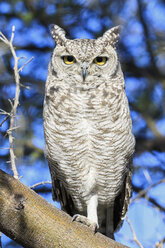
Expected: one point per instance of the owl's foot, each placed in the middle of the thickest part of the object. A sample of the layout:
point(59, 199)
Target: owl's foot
point(83, 219)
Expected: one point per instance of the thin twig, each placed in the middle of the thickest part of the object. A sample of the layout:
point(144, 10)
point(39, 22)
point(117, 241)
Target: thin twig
point(25, 86)
point(14, 128)
point(3, 38)
point(20, 69)
point(147, 176)
point(160, 243)
point(40, 183)
point(155, 203)
point(12, 35)
point(152, 126)
point(133, 233)
point(143, 192)
point(4, 120)
point(2, 112)
point(15, 103)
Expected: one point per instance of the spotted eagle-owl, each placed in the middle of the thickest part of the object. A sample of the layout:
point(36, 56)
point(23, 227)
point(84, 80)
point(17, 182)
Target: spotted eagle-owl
point(88, 130)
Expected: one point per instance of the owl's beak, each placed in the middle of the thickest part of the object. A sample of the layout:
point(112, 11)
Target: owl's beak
point(84, 68)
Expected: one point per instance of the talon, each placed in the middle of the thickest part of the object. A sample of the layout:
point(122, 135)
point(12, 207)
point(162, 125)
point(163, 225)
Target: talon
point(94, 227)
point(74, 218)
point(82, 219)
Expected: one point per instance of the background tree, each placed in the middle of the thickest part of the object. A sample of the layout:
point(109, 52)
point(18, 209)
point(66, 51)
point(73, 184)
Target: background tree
point(142, 53)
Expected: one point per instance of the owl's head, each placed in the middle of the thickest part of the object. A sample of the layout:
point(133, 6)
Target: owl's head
point(85, 61)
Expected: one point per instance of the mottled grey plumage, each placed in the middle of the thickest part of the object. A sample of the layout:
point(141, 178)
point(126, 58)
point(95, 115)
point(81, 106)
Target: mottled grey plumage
point(88, 130)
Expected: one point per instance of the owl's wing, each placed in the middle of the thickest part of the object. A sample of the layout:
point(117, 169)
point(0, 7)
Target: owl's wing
point(59, 193)
point(113, 215)
point(122, 202)
point(112, 219)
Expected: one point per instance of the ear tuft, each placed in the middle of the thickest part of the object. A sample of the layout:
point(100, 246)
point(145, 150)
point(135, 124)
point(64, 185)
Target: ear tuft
point(111, 36)
point(58, 34)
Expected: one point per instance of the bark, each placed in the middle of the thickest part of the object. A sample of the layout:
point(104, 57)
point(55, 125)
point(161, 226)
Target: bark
point(34, 223)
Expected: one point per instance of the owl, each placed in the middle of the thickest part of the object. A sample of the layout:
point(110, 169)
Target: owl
point(88, 130)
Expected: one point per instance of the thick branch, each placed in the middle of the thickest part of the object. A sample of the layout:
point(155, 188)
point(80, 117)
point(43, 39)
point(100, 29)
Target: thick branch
point(32, 222)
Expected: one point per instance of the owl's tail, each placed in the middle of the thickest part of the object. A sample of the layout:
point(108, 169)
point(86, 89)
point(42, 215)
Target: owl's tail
point(106, 222)
point(111, 218)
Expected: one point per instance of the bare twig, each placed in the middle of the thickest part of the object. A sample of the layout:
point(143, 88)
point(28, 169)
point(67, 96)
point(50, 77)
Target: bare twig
point(40, 183)
point(152, 126)
point(2, 112)
point(142, 193)
point(15, 103)
point(3, 38)
point(155, 203)
point(160, 243)
point(147, 176)
point(25, 86)
point(20, 69)
point(133, 233)
point(5, 119)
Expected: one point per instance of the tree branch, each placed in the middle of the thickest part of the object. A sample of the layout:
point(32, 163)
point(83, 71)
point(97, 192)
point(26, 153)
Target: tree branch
point(14, 105)
point(160, 243)
point(134, 234)
point(143, 192)
point(32, 222)
point(39, 184)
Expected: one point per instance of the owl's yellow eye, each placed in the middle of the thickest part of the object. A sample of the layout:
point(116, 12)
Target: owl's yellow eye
point(69, 59)
point(100, 60)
